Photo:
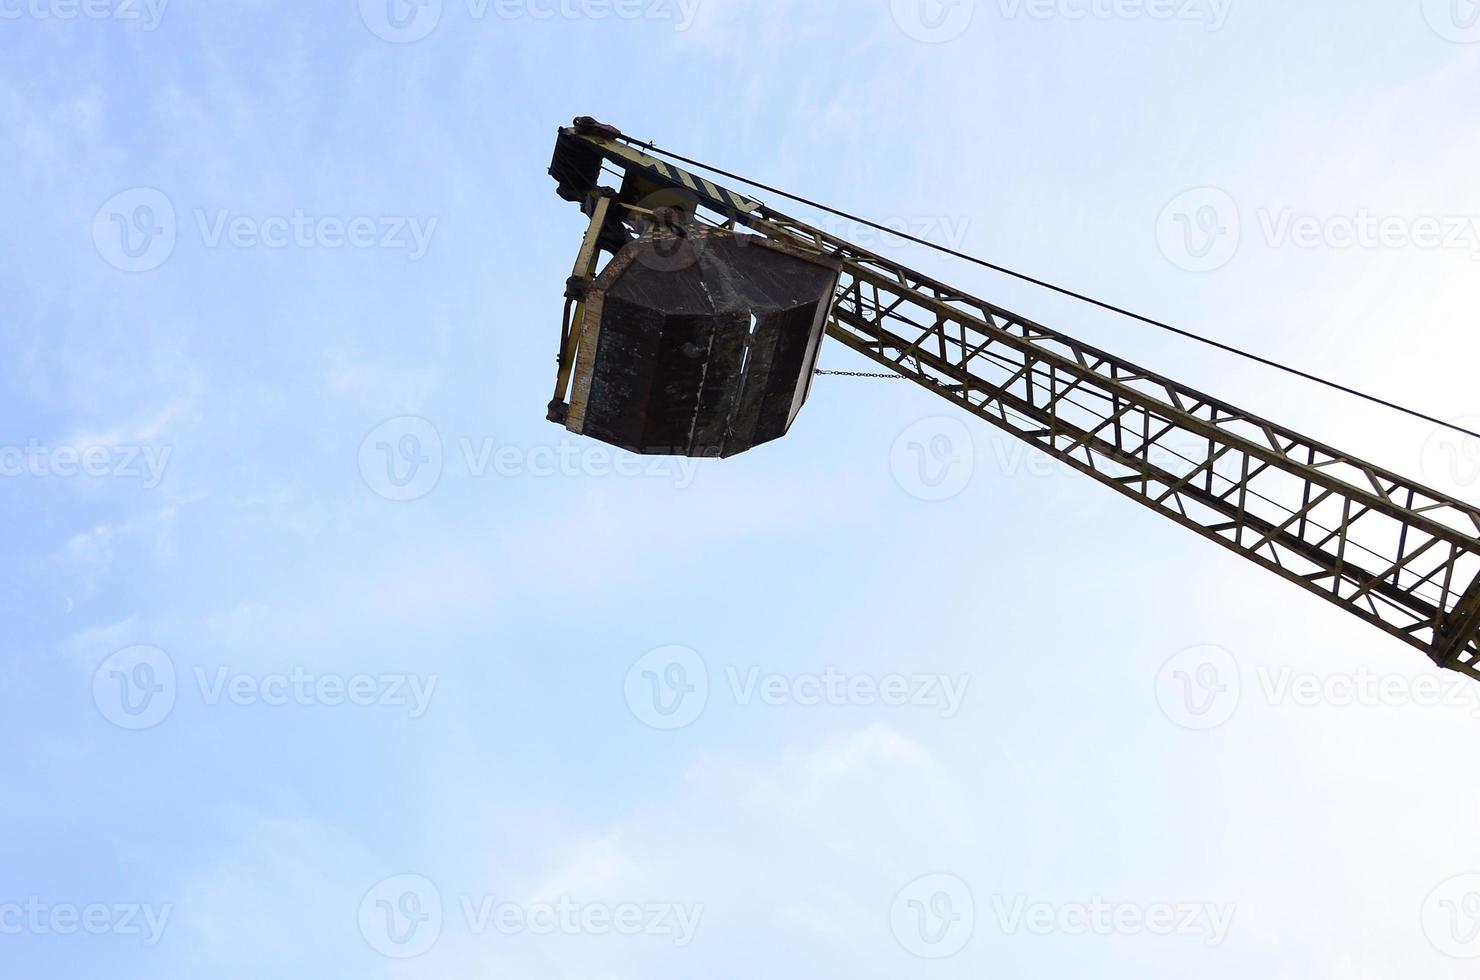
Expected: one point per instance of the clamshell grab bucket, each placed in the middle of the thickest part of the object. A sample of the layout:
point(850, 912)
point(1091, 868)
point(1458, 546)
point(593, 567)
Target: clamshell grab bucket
point(700, 344)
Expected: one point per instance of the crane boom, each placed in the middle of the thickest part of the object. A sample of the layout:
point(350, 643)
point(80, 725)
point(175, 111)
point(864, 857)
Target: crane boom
point(1390, 551)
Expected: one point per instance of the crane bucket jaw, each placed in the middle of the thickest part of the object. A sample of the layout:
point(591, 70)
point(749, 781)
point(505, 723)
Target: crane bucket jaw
point(693, 340)
point(699, 344)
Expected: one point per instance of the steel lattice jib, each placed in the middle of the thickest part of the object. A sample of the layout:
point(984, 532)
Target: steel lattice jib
point(1398, 555)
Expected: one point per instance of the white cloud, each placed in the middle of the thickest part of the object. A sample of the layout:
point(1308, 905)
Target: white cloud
point(809, 847)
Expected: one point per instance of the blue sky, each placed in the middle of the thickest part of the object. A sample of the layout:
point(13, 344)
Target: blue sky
point(250, 242)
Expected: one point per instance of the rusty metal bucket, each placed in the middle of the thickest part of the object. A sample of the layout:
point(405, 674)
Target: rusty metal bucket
point(700, 343)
